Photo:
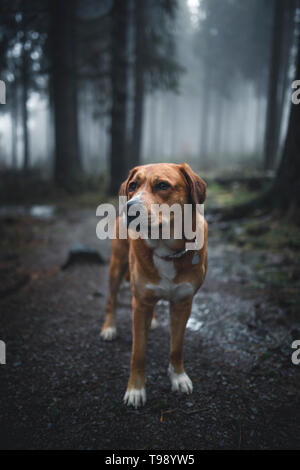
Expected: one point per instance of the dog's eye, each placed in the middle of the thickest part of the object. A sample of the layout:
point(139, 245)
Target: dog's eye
point(132, 186)
point(163, 186)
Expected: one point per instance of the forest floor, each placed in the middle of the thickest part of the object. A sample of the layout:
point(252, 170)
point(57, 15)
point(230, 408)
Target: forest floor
point(62, 386)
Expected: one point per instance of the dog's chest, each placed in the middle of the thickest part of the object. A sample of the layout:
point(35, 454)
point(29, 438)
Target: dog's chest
point(167, 289)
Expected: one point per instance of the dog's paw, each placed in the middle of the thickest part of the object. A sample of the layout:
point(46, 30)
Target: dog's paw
point(135, 397)
point(109, 333)
point(180, 382)
point(154, 323)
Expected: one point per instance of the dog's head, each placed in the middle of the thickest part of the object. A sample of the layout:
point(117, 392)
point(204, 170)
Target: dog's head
point(162, 183)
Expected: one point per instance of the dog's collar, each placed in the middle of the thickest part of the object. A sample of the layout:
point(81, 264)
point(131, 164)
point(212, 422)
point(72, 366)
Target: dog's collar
point(172, 256)
point(176, 255)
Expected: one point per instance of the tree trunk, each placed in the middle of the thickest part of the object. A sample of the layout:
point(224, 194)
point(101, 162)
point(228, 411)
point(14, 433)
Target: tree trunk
point(287, 184)
point(14, 125)
point(218, 125)
point(67, 164)
point(205, 118)
point(153, 126)
point(272, 123)
point(119, 94)
point(259, 122)
point(25, 87)
point(284, 194)
point(139, 21)
point(288, 39)
point(174, 127)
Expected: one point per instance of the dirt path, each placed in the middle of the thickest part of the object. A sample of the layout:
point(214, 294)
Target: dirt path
point(62, 387)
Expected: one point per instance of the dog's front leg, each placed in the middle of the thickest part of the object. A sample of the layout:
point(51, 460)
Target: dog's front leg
point(179, 314)
point(141, 320)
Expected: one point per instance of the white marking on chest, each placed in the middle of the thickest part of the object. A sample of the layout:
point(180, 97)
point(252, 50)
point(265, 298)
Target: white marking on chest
point(167, 289)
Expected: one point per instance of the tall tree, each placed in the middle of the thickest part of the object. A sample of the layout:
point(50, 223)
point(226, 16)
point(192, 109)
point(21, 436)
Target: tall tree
point(288, 43)
point(285, 192)
point(14, 122)
point(21, 46)
point(63, 39)
point(205, 113)
point(25, 88)
point(139, 81)
point(232, 42)
point(272, 118)
point(155, 62)
point(119, 85)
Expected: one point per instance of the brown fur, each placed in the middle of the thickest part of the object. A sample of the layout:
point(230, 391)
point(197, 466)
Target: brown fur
point(186, 186)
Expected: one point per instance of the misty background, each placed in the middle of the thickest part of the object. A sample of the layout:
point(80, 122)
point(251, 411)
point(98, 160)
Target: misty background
point(95, 87)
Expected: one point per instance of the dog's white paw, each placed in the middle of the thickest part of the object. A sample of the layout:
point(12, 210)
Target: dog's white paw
point(135, 397)
point(180, 382)
point(109, 333)
point(154, 324)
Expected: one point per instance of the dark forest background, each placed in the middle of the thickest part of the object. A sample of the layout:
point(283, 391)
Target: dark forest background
point(96, 87)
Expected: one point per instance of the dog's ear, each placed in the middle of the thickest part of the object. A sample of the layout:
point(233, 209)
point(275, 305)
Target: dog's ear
point(124, 186)
point(196, 184)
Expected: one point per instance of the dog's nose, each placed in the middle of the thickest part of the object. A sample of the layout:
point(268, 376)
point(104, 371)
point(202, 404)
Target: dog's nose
point(134, 213)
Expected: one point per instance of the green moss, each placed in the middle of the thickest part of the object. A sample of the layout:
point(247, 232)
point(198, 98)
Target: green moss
point(222, 197)
point(269, 234)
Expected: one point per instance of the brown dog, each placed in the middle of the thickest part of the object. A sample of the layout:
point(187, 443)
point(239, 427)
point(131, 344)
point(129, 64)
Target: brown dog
point(158, 269)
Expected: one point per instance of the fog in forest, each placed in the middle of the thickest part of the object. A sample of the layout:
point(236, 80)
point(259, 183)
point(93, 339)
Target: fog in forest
point(209, 109)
